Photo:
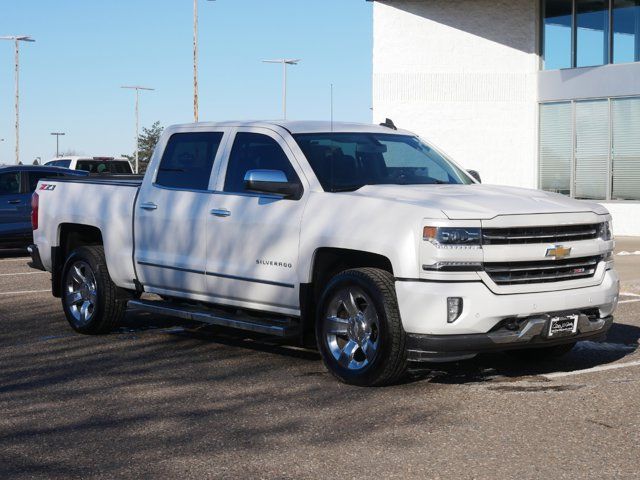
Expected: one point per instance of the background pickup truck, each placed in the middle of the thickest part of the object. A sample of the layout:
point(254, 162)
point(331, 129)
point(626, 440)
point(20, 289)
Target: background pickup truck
point(361, 239)
point(94, 165)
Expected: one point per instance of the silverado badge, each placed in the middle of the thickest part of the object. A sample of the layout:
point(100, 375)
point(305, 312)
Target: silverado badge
point(558, 252)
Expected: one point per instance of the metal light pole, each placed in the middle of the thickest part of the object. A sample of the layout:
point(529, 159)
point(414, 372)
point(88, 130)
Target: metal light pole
point(137, 88)
point(17, 39)
point(57, 134)
point(195, 59)
point(284, 62)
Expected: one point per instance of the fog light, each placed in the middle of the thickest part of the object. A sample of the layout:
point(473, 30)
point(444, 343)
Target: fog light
point(454, 308)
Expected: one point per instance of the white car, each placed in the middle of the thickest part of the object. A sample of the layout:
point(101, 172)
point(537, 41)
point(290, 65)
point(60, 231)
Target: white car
point(93, 165)
point(362, 239)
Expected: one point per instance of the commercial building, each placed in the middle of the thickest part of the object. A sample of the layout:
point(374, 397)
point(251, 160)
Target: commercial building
point(532, 93)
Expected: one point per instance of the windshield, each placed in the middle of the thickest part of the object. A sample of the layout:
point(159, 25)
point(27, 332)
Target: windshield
point(348, 161)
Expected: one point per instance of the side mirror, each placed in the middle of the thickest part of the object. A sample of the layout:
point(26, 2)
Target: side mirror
point(475, 175)
point(271, 181)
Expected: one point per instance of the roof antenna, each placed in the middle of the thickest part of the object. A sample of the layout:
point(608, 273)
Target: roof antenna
point(332, 107)
point(389, 124)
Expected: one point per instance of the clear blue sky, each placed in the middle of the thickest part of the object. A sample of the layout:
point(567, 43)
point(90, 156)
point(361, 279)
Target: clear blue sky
point(86, 49)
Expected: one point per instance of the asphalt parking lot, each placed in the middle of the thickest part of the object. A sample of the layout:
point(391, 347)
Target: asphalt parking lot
point(159, 398)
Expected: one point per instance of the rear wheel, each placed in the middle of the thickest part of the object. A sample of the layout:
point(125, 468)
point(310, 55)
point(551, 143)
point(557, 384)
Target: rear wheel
point(359, 331)
point(90, 300)
point(542, 353)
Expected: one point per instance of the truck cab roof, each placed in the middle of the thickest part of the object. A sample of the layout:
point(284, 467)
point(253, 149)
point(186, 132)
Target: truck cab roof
point(299, 126)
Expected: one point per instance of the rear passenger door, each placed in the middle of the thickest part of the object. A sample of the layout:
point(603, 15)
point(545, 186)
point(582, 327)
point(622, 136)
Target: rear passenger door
point(13, 204)
point(171, 215)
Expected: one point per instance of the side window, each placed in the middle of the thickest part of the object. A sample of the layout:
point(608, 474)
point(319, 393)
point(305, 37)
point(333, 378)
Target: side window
point(35, 177)
point(253, 151)
point(87, 166)
point(188, 160)
point(120, 167)
point(9, 183)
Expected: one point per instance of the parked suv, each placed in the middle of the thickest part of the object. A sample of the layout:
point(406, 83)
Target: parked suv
point(17, 183)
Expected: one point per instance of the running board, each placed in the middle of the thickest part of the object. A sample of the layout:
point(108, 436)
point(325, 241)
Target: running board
point(279, 327)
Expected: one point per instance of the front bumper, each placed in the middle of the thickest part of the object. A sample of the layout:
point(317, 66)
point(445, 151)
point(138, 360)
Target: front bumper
point(423, 304)
point(531, 334)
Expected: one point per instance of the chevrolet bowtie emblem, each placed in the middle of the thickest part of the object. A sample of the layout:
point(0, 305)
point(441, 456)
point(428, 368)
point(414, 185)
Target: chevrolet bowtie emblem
point(558, 252)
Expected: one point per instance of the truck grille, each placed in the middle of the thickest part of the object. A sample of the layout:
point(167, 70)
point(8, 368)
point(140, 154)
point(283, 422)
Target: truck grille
point(551, 234)
point(520, 273)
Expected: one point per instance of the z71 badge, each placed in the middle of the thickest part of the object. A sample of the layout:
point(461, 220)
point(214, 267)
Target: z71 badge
point(46, 186)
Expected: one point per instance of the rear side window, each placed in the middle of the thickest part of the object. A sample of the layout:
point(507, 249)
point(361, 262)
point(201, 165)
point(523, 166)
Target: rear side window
point(253, 151)
point(9, 183)
point(188, 160)
point(120, 167)
point(59, 163)
point(35, 177)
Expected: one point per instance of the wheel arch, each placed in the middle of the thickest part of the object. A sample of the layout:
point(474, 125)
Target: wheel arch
point(325, 264)
point(70, 237)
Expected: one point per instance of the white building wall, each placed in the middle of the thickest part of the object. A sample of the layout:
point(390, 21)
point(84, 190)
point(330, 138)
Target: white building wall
point(462, 74)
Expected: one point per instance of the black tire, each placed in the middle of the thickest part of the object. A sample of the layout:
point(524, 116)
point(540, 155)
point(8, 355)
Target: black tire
point(108, 302)
point(390, 361)
point(542, 353)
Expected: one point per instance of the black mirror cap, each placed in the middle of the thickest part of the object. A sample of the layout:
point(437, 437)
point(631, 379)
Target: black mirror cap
point(287, 190)
point(475, 175)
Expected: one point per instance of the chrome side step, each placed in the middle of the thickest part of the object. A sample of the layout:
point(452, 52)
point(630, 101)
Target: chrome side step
point(279, 327)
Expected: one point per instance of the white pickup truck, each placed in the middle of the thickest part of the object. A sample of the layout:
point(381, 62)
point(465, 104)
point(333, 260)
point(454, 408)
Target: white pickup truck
point(362, 237)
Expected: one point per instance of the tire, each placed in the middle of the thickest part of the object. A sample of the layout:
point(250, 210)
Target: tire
point(92, 303)
point(358, 328)
point(542, 353)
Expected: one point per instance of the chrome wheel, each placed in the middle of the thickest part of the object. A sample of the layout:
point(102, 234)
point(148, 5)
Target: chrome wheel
point(352, 328)
point(81, 293)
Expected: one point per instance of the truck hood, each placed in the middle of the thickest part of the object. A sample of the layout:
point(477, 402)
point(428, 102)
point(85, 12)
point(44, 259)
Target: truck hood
point(480, 202)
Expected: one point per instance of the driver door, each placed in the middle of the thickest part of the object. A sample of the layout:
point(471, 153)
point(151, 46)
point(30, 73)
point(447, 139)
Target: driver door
point(252, 258)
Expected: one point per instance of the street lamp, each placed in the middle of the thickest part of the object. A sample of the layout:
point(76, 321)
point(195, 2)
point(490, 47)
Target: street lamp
point(195, 59)
point(284, 62)
point(57, 134)
point(137, 88)
point(17, 39)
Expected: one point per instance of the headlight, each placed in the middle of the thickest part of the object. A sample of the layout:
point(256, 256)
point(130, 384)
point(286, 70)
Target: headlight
point(605, 231)
point(453, 237)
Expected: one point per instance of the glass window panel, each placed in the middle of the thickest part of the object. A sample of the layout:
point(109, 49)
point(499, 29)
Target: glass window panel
point(254, 151)
point(592, 22)
point(626, 148)
point(556, 147)
point(188, 160)
point(626, 31)
point(592, 149)
point(10, 183)
point(557, 34)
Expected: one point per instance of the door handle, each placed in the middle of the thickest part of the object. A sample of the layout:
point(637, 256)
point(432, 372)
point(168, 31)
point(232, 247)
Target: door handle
point(14, 202)
point(148, 206)
point(221, 212)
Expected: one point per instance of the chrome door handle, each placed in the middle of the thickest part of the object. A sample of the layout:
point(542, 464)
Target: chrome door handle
point(14, 202)
point(221, 212)
point(148, 206)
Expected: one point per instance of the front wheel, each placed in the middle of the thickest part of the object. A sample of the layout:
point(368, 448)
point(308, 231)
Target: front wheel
point(90, 299)
point(359, 330)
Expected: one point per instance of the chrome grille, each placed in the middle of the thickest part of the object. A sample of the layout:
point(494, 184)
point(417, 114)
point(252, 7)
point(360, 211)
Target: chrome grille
point(547, 234)
point(520, 273)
